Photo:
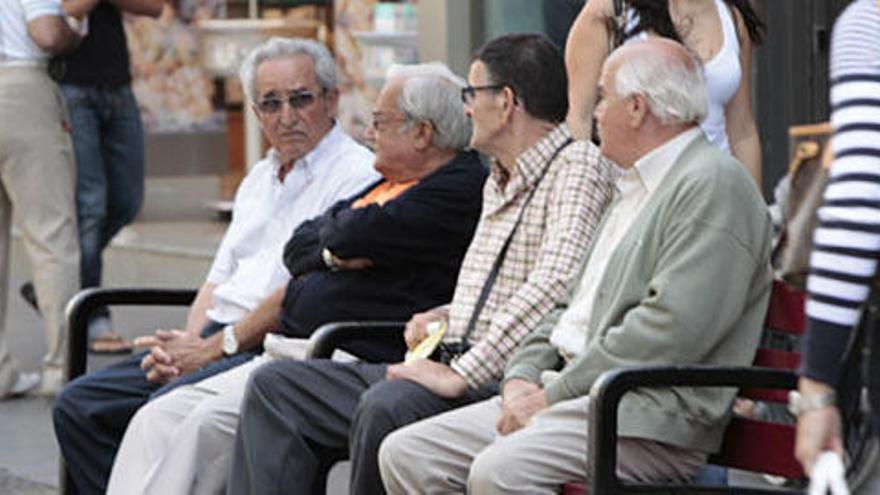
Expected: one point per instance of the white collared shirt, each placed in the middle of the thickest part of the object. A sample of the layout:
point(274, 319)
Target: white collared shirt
point(15, 43)
point(633, 189)
point(248, 264)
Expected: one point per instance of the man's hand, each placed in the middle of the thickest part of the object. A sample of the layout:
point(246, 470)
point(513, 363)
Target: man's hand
point(416, 327)
point(516, 387)
point(436, 377)
point(187, 352)
point(520, 400)
point(351, 264)
point(158, 366)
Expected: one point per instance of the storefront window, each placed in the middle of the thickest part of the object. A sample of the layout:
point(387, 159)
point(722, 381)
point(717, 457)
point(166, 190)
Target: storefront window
point(551, 17)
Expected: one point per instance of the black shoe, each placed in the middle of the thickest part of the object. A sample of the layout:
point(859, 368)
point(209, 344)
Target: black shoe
point(29, 295)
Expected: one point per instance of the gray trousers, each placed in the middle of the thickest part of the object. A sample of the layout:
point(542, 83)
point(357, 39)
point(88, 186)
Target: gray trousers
point(461, 451)
point(298, 418)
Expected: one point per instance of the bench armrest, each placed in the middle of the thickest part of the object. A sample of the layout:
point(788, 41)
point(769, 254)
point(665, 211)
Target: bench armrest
point(331, 336)
point(612, 385)
point(83, 305)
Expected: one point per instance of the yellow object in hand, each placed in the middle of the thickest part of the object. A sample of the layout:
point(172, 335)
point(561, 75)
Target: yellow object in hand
point(426, 347)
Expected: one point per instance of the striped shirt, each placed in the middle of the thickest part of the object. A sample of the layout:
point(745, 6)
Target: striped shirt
point(847, 239)
point(544, 255)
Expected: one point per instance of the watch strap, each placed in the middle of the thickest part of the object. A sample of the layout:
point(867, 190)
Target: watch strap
point(799, 404)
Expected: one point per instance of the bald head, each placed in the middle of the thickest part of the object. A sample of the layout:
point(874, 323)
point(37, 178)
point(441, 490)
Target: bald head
point(666, 73)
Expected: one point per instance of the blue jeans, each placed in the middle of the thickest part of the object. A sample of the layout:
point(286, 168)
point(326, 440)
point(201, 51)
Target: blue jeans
point(108, 141)
point(91, 412)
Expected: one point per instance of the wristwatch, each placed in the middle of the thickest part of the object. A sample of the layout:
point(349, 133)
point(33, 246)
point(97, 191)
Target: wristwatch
point(800, 404)
point(230, 342)
point(327, 256)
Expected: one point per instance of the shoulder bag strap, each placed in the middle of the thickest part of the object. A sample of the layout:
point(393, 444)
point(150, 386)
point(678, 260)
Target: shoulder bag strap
point(496, 265)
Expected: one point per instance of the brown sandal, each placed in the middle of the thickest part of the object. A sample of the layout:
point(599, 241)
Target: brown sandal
point(110, 343)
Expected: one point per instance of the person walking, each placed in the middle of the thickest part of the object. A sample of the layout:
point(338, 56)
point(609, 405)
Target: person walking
point(846, 242)
point(36, 178)
point(108, 140)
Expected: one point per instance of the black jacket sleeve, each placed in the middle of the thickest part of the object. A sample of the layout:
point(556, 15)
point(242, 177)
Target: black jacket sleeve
point(302, 253)
point(416, 227)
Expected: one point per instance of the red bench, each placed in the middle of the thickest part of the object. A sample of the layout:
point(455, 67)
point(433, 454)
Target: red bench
point(749, 444)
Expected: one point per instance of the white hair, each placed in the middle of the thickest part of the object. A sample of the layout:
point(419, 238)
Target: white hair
point(674, 88)
point(431, 92)
point(325, 66)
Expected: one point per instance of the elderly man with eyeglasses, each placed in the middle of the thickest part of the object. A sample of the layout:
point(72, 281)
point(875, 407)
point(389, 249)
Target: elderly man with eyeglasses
point(312, 164)
point(388, 252)
point(541, 205)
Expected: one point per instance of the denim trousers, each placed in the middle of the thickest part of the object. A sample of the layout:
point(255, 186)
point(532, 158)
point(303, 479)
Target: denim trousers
point(108, 142)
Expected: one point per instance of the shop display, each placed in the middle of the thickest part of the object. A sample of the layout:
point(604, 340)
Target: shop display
point(174, 92)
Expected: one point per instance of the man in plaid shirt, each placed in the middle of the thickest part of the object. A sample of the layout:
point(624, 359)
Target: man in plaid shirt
point(541, 205)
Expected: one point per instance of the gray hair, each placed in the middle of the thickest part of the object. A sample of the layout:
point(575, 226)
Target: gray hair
point(674, 87)
point(325, 66)
point(431, 92)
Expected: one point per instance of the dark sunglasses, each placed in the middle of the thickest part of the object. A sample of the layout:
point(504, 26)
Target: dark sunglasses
point(297, 100)
point(469, 92)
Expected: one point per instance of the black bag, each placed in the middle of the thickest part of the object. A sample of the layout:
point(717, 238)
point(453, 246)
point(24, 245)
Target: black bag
point(446, 352)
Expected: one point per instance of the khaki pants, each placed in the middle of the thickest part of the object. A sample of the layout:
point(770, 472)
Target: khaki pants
point(461, 451)
point(182, 441)
point(37, 181)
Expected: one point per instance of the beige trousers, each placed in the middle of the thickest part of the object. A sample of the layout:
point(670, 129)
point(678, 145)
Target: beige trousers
point(461, 451)
point(37, 185)
point(182, 442)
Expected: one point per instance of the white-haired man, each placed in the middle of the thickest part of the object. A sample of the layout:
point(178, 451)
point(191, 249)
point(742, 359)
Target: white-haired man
point(401, 240)
point(542, 203)
point(678, 274)
point(312, 164)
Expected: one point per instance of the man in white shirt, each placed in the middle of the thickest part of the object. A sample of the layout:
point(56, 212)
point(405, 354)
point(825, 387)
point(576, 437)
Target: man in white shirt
point(312, 164)
point(36, 177)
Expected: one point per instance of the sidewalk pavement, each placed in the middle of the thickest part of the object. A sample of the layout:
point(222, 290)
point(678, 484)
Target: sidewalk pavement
point(170, 246)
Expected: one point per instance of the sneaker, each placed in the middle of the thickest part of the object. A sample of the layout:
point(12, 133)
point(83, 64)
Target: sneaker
point(52, 381)
point(23, 384)
point(29, 295)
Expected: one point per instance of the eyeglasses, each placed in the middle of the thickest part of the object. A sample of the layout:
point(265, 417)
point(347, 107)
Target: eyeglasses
point(469, 92)
point(378, 122)
point(297, 100)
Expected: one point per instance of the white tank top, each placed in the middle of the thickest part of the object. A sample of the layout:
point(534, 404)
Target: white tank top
point(723, 76)
point(15, 43)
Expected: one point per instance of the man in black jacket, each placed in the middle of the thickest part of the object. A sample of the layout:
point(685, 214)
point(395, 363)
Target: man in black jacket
point(391, 251)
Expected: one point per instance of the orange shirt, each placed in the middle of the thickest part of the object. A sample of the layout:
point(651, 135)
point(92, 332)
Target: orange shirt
point(384, 193)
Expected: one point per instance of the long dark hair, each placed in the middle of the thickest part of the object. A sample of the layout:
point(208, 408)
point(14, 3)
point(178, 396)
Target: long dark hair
point(654, 16)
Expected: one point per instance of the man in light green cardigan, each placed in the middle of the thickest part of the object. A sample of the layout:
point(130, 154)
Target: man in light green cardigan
point(678, 275)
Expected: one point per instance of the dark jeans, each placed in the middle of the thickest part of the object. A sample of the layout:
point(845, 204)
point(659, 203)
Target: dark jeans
point(108, 142)
point(300, 417)
point(91, 413)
